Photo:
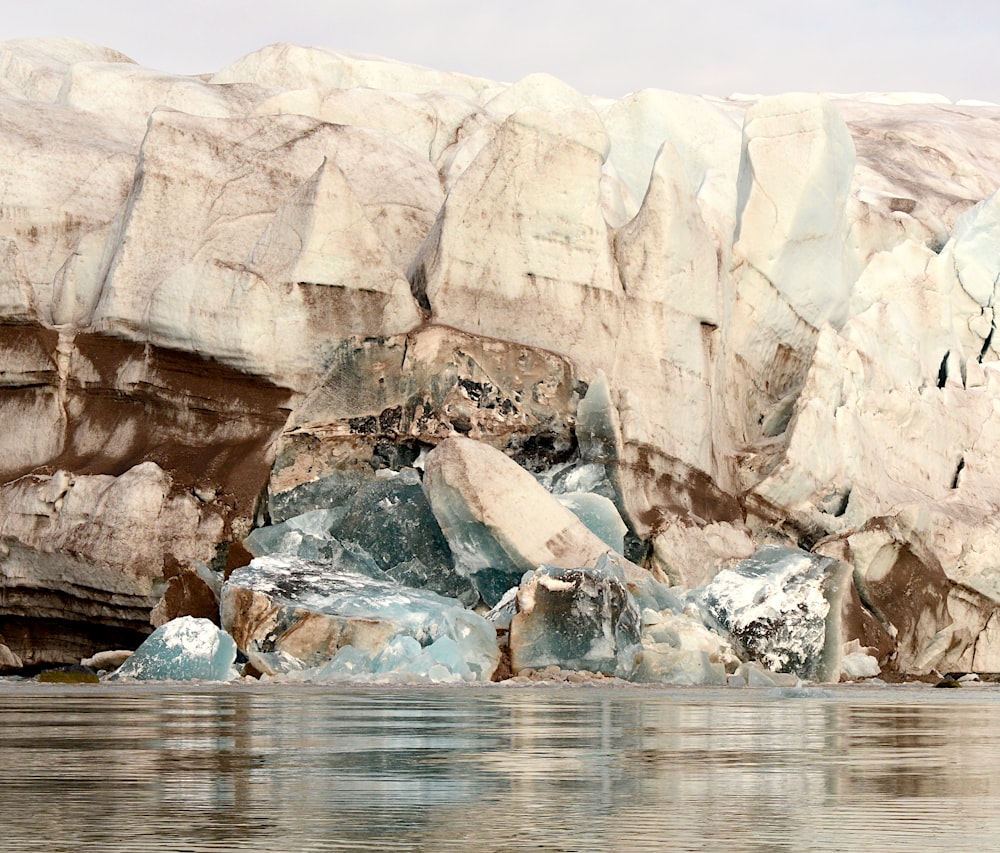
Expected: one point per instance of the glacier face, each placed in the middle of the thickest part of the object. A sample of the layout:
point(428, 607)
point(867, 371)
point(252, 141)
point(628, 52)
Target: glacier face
point(458, 316)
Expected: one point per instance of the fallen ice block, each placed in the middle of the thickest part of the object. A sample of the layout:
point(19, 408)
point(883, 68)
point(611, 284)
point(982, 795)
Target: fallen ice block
point(582, 618)
point(775, 608)
point(184, 649)
point(307, 535)
point(293, 614)
point(401, 661)
point(579, 476)
point(665, 664)
point(391, 520)
point(498, 518)
point(386, 529)
point(332, 492)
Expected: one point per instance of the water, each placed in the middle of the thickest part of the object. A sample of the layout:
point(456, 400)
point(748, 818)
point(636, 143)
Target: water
point(262, 767)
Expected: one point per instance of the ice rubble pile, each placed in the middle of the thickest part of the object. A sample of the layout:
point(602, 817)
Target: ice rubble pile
point(457, 337)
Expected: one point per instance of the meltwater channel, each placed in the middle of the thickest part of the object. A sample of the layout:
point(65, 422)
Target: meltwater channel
point(269, 767)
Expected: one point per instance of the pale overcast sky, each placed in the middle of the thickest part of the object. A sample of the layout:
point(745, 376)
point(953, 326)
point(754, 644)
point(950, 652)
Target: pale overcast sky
point(712, 47)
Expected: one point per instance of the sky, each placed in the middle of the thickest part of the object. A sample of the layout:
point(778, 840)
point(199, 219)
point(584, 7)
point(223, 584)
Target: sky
point(712, 47)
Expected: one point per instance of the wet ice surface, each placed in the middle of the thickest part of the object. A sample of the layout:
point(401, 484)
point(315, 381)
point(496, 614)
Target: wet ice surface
point(254, 767)
point(185, 649)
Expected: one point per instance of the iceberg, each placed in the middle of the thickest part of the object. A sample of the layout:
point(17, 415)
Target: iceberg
point(322, 622)
point(184, 649)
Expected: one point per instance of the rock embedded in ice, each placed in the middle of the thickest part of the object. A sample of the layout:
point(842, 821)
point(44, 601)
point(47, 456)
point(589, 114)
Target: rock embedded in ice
point(288, 614)
point(578, 618)
point(184, 649)
point(775, 608)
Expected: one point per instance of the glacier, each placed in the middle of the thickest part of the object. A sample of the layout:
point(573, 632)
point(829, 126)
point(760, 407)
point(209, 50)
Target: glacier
point(438, 331)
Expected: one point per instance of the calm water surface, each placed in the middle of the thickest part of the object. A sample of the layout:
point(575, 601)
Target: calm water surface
point(263, 767)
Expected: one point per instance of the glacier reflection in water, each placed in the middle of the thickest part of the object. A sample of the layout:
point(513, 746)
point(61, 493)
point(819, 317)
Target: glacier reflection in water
point(144, 768)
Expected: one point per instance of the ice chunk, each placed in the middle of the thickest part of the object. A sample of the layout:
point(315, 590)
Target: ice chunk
point(505, 609)
point(402, 660)
point(307, 535)
point(599, 515)
point(677, 649)
point(497, 517)
point(392, 521)
point(290, 614)
point(598, 429)
point(580, 618)
point(386, 529)
point(661, 663)
point(754, 675)
point(572, 477)
point(856, 662)
point(775, 608)
point(184, 649)
point(333, 492)
point(645, 589)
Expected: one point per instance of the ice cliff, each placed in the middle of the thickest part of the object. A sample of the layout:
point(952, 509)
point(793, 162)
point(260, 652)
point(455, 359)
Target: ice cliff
point(460, 336)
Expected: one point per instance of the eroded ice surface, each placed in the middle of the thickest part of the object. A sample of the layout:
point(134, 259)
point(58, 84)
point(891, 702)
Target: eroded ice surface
point(184, 649)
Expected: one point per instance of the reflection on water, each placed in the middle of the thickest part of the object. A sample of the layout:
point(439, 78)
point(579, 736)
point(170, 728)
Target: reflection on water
point(497, 769)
